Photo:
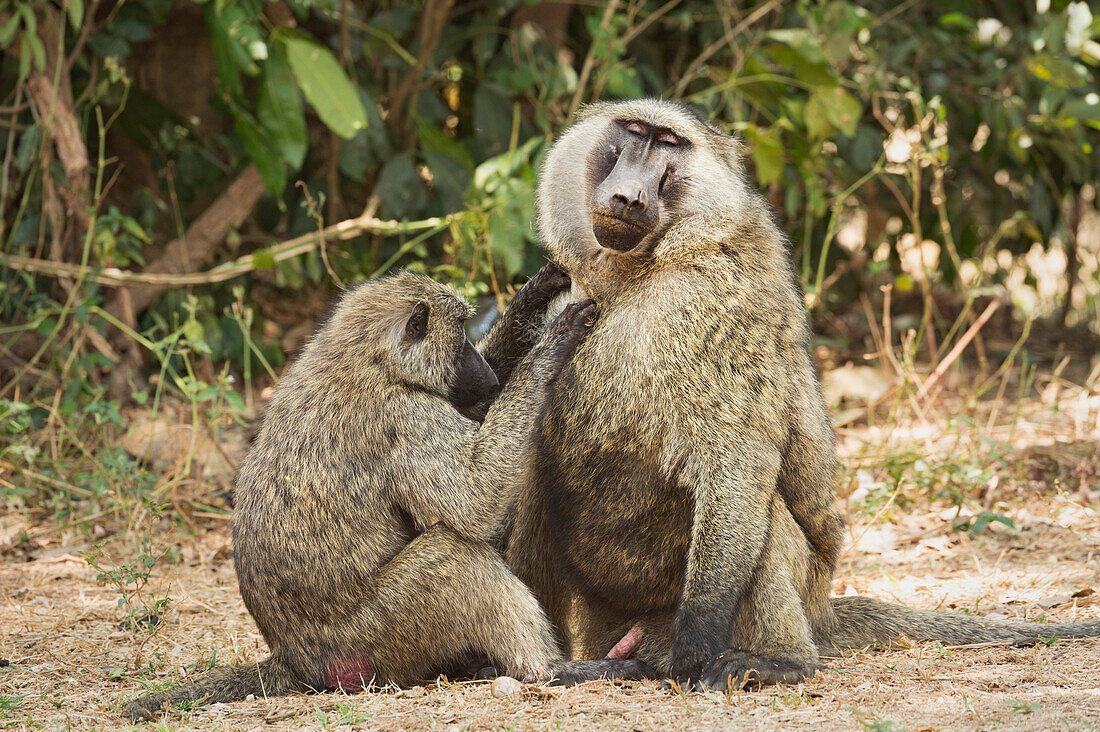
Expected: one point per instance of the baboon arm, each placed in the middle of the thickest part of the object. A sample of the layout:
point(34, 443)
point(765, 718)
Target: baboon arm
point(518, 328)
point(733, 496)
point(442, 491)
point(473, 495)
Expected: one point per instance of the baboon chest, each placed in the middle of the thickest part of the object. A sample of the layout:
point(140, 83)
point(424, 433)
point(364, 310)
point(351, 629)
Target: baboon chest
point(622, 532)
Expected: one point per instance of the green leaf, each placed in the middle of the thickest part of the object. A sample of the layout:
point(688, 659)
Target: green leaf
point(135, 229)
point(509, 224)
point(817, 121)
point(841, 108)
point(1080, 109)
point(326, 86)
point(39, 52)
point(433, 139)
point(767, 153)
point(263, 259)
point(1055, 69)
point(801, 41)
point(24, 57)
point(262, 150)
point(192, 330)
point(222, 47)
point(492, 119)
point(280, 108)
point(240, 32)
point(449, 180)
point(960, 21)
point(496, 171)
point(7, 31)
point(27, 150)
point(76, 13)
point(400, 188)
point(368, 148)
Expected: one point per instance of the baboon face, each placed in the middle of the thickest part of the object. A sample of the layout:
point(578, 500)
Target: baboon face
point(413, 328)
point(639, 165)
point(626, 172)
point(467, 378)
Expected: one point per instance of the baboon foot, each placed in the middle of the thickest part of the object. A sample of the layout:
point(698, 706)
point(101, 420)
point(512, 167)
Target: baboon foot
point(738, 669)
point(578, 672)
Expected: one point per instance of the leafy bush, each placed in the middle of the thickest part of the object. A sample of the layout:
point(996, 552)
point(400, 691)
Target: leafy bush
point(410, 134)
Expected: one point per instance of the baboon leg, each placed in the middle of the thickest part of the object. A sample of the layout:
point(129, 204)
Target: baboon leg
point(772, 642)
point(530, 556)
point(440, 598)
point(806, 484)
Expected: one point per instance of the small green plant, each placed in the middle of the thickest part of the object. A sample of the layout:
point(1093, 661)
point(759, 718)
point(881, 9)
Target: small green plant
point(872, 721)
point(9, 704)
point(141, 609)
point(1021, 707)
point(976, 524)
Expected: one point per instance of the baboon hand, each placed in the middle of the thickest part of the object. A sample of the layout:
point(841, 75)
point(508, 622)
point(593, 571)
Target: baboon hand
point(686, 672)
point(536, 294)
point(568, 330)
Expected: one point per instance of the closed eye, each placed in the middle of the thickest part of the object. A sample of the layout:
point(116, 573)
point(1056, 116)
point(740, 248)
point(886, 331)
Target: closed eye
point(636, 128)
point(667, 138)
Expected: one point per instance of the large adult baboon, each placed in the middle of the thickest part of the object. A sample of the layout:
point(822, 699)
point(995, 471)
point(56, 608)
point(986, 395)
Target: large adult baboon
point(366, 503)
point(683, 482)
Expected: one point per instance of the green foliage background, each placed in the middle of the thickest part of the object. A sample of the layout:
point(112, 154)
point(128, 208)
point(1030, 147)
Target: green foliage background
point(973, 124)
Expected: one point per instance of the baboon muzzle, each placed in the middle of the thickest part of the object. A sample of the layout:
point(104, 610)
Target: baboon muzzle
point(474, 380)
point(624, 206)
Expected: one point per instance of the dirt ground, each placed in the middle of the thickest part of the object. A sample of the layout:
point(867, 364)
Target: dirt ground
point(68, 663)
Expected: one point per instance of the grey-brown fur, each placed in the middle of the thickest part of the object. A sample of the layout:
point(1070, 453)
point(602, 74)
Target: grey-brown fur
point(684, 468)
point(367, 501)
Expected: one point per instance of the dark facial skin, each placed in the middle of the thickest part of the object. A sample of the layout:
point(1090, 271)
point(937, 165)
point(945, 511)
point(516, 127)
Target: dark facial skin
point(638, 169)
point(474, 381)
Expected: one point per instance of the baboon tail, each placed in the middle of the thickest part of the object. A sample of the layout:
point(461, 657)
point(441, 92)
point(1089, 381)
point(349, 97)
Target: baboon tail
point(863, 621)
point(223, 684)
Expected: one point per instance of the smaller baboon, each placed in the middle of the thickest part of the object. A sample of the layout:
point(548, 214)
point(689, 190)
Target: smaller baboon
point(367, 501)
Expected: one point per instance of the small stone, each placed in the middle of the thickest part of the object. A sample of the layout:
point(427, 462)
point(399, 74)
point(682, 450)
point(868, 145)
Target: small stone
point(250, 697)
point(505, 686)
point(4, 662)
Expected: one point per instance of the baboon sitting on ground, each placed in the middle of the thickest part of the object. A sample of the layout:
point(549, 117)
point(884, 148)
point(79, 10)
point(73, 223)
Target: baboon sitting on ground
point(684, 467)
point(367, 501)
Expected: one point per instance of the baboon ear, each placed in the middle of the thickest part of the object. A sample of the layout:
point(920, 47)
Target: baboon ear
point(417, 325)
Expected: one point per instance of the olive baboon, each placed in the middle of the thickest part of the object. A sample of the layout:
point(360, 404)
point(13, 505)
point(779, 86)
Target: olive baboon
point(366, 502)
point(683, 473)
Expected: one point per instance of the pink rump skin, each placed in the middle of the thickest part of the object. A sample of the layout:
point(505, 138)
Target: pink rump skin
point(349, 674)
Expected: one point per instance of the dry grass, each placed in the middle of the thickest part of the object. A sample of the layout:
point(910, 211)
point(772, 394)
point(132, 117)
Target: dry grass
point(1035, 463)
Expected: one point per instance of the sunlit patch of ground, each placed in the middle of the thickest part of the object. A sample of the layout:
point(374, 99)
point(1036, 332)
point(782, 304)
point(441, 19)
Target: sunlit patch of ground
point(70, 664)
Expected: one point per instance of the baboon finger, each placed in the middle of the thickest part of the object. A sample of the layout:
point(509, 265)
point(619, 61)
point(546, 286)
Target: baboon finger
point(550, 280)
